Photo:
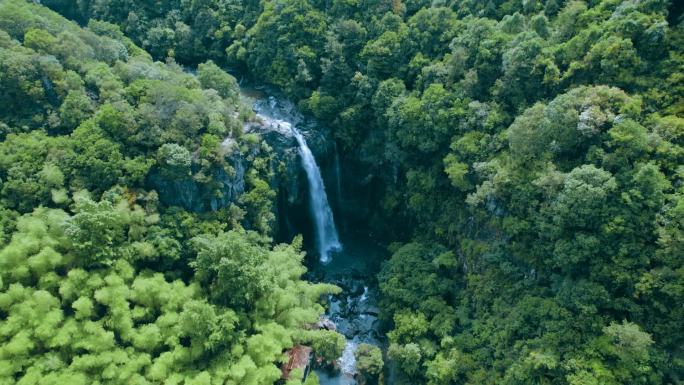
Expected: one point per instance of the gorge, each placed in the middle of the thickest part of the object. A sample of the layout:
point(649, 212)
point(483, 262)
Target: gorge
point(275, 116)
point(352, 268)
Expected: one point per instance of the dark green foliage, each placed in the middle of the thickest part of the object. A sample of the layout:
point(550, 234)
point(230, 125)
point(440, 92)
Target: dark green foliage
point(536, 142)
point(527, 154)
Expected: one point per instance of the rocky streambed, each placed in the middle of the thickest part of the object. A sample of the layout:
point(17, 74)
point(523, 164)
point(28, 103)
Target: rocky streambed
point(355, 310)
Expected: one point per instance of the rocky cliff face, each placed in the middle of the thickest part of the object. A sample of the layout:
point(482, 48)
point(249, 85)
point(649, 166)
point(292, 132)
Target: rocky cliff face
point(225, 187)
point(289, 179)
point(287, 169)
point(350, 187)
point(228, 183)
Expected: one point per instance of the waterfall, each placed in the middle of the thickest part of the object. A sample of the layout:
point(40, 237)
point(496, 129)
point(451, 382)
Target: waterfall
point(279, 114)
point(353, 313)
point(327, 239)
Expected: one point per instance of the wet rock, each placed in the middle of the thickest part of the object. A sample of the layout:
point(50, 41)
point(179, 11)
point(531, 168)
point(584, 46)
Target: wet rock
point(364, 325)
point(352, 284)
point(347, 328)
point(355, 310)
point(278, 136)
point(369, 309)
point(322, 147)
point(335, 308)
point(357, 288)
point(325, 323)
point(274, 124)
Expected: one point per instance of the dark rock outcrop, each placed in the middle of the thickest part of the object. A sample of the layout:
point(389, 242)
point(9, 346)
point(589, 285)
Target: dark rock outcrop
point(287, 179)
point(225, 186)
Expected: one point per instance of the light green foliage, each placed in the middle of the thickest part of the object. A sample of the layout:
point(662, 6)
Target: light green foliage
point(369, 361)
point(456, 171)
point(258, 201)
point(629, 342)
point(32, 167)
point(211, 76)
point(327, 344)
point(96, 230)
point(136, 325)
point(407, 356)
point(231, 267)
point(174, 160)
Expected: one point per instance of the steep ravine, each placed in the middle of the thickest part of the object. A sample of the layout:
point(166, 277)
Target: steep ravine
point(352, 265)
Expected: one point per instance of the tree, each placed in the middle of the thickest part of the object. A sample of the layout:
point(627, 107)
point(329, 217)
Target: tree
point(98, 162)
point(97, 230)
point(211, 76)
point(527, 154)
point(408, 280)
point(408, 356)
point(231, 264)
point(326, 344)
point(422, 123)
point(76, 108)
point(369, 362)
point(174, 160)
point(382, 53)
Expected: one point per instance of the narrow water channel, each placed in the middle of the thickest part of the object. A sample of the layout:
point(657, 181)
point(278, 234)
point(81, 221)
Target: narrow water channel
point(355, 310)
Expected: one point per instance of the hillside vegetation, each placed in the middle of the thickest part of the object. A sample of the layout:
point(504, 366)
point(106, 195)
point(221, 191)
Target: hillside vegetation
point(526, 162)
point(100, 282)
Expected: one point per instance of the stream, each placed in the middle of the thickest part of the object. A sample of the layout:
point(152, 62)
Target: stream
point(349, 260)
point(355, 310)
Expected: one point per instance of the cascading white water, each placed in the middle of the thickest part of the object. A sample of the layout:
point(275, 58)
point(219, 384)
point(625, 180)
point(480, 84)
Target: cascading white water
point(327, 239)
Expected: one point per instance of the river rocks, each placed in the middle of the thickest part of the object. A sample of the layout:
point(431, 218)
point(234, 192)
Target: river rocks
point(355, 310)
point(368, 308)
point(353, 284)
point(325, 323)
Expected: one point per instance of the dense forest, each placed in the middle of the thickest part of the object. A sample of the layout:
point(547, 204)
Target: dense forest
point(522, 160)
